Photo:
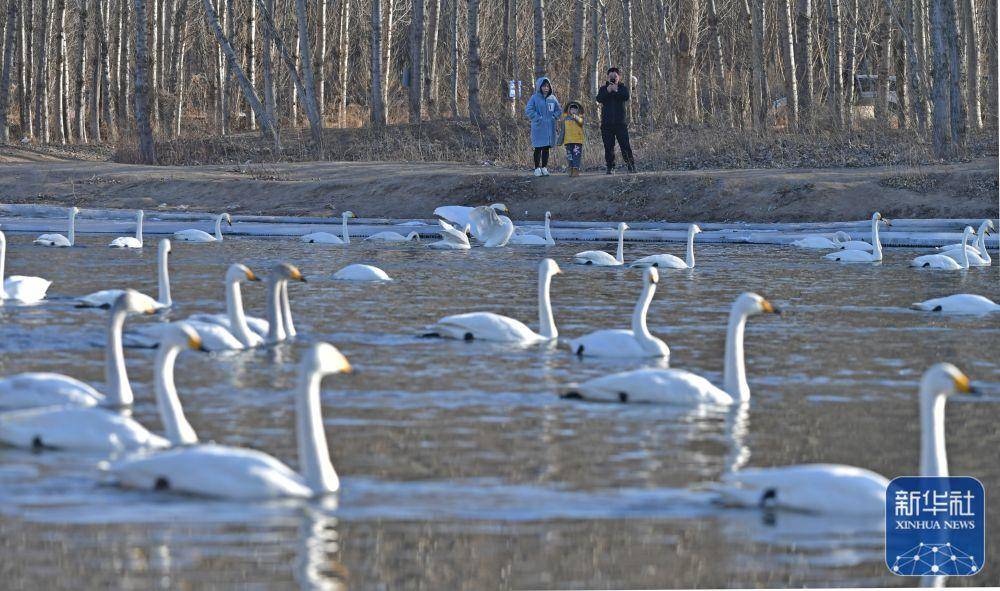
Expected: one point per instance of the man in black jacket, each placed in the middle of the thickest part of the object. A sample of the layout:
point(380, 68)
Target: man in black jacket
point(612, 96)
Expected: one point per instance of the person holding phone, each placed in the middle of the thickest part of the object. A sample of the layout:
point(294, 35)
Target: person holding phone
point(613, 95)
point(543, 110)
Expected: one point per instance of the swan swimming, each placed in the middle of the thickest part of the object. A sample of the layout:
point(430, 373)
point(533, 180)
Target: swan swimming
point(670, 261)
point(459, 214)
point(59, 240)
point(602, 259)
point(861, 256)
point(451, 239)
point(487, 326)
point(945, 262)
point(33, 389)
point(393, 237)
point(678, 386)
point(534, 240)
point(490, 228)
point(202, 236)
point(634, 342)
point(242, 473)
point(129, 241)
point(277, 306)
point(961, 303)
point(23, 289)
point(361, 273)
point(979, 255)
point(839, 489)
point(822, 242)
point(106, 297)
point(328, 238)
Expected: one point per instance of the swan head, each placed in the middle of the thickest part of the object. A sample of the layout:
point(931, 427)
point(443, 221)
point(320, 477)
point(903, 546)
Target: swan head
point(225, 217)
point(240, 272)
point(877, 217)
point(139, 214)
point(415, 237)
point(500, 207)
point(133, 302)
point(548, 215)
point(549, 267)
point(651, 275)
point(751, 304)
point(622, 226)
point(73, 211)
point(347, 215)
point(467, 230)
point(325, 359)
point(694, 229)
point(969, 231)
point(165, 246)
point(180, 335)
point(286, 272)
point(945, 379)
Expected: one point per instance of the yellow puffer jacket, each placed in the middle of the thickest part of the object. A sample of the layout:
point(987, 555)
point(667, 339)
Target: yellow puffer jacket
point(574, 129)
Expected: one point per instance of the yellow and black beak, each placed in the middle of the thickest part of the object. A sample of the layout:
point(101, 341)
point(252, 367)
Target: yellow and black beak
point(963, 385)
point(297, 275)
point(769, 308)
point(251, 276)
point(196, 344)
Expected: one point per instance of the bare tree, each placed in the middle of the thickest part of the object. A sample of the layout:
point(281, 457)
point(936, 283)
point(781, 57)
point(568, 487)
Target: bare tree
point(475, 111)
point(454, 58)
point(377, 104)
point(956, 99)
point(416, 60)
point(759, 97)
point(835, 63)
point(884, 61)
point(430, 57)
point(595, 51)
point(942, 79)
point(5, 69)
point(972, 62)
point(322, 56)
point(345, 56)
point(147, 152)
point(803, 35)
point(787, 37)
point(81, 85)
point(539, 19)
point(387, 62)
point(721, 104)
point(267, 71)
point(685, 57)
point(579, 15)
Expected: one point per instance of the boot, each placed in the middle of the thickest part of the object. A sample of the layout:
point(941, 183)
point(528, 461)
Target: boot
point(630, 165)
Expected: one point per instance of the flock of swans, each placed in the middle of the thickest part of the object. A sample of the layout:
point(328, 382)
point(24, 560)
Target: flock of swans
point(49, 410)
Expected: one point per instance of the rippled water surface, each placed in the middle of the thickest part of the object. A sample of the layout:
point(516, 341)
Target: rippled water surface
point(461, 468)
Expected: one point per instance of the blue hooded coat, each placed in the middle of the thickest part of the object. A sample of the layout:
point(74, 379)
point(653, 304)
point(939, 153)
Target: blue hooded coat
point(543, 112)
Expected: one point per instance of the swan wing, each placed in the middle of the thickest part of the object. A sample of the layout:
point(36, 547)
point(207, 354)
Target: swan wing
point(27, 290)
point(816, 242)
point(491, 228)
point(52, 240)
point(387, 237)
point(75, 428)
point(663, 261)
point(447, 245)
point(935, 261)
point(361, 273)
point(255, 324)
point(856, 245)
point(975, 258)
point(608, 343)
point(27, 390)
point(851, 256)
point(193, 236)
point(215, 337)
point(595, 257)
point(527, 240)
point(961, 303)
point(457, 214)
point(125, 242)
point(665, 386)
point(106, 297)
point(322, 238)
point(212, 470)
point(485, 326)
point(813, 488)
point(450, 234)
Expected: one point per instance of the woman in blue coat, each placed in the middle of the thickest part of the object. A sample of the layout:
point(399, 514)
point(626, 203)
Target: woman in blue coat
point(543, 109)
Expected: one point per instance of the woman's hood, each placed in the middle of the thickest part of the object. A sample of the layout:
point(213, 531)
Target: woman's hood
point(540, 81)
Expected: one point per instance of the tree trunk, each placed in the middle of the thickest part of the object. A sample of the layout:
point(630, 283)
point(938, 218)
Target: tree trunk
point(835, 63)
point(595, 49)
point(387, 62)
point(266, 67)
point(377, 105)
point(972, 63)
point(430, 58)
point(61, 73)
point(94, 98)
point(804, 66)
point(454, 58)
point(27, 64)
point(759, 101)
point(721, 104)
point(41, 74)
point(540, 55)
point(147, 153)
point(81, 85)
point(248, 91)
point(475, 63)
point(884, 59)
point(787, 37)
point(507, 60)
point(576, 67)
point(345, 54)
point(993, 94)
point(8, 62)
point(416, 60)
point(629, 75)
point(176, 61)
point(941, 136)
point(956, 99)
point(852, 63)
point(178, 116)
point(251, 58)
point(322, 57)
point(686, 59)
point(309, 90)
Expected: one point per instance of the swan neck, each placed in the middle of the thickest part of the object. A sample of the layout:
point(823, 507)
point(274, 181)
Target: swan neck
point(275, 323)
point(218, 227)
point(620, 254)
point(690, 249)
point(343, 231)
point(546, 322)
point(735, 376)
point(639, 328)
point(965, 250)
point(548, 232)
point(72, 228)
point(314, 456)
point(981, 241)
point(3, 263)
point(933, 457)
point(119, 391)
point(876, 243)
point(138, 229)
point(175, 425)
point(237, 317)
point(163, 278)
point(286, 311)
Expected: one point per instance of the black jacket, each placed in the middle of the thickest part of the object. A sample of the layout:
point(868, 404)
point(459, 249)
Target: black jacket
point(612, 105)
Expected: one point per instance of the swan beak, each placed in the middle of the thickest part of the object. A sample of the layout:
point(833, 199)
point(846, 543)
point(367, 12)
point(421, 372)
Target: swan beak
point(195, 343)
point(887, 221)
point(297, 275)
point(769, 308)
point(251, 276)
point(149, 311)
point(962, 385)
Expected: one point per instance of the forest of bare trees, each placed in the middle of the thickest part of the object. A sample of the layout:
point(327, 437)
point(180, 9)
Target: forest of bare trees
point(91, 71)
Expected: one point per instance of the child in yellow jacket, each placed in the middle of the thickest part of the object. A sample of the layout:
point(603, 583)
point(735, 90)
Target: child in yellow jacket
point(573, 136)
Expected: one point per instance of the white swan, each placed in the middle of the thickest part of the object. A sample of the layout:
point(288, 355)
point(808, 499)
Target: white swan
point(58, 239)
point(100, 429)
point(393, 237)
point(983, 227)
point(979, 255)
point(279, 324)
point(129, 241)
point(861, 244)
point(961, 303)
point(19, 288)
point(241, 473)
point(490, 228)
point(361, 273)
point(601, 258)
point(202, 236)
point(635, 342)
point(945, 262)
point(837, 489)
point(670, 261)
point(487, 326)
point(534, 240)
point(822, 242)
point(678, 386)
point(106, 297)
point(451, 239)
point(459, 214)
point(861, 256)
point(328, 238)
point(33, 389)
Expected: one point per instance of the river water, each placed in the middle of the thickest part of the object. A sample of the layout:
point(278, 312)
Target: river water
point(461, 468)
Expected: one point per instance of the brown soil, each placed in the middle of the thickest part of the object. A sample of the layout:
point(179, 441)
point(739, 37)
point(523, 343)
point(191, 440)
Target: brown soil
point(412, 190)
